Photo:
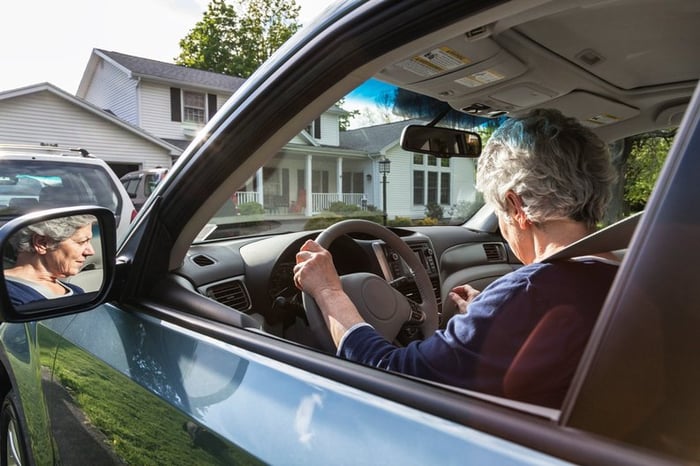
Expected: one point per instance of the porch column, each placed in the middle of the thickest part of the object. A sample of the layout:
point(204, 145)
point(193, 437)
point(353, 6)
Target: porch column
point(259, 183)
point(309, 194)
point(339, 177)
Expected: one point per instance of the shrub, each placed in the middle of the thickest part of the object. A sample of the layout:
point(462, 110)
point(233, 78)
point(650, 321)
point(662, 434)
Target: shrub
point(464, 209)
point(400, 222)
point(433, 210)
point(326, 219)
point(339, 207)
point(427, 221)
point(322, 221)
point(251, 208)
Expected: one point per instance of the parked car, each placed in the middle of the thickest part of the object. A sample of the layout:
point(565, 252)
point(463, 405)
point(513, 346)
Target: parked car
point(140, 184)
point(196, 348)
point(34, 177)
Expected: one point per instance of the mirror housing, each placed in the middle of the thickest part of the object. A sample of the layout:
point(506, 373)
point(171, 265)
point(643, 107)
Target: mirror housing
point(88, 287)
point(441, 142)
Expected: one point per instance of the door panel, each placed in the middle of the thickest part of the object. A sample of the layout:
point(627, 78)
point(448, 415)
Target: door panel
point(122, 389)
point(147, 391)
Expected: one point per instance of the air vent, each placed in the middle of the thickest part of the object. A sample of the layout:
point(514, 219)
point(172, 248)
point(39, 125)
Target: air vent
point(232, 294)
point(202, 260)
point(495, 252)
point(410, 290)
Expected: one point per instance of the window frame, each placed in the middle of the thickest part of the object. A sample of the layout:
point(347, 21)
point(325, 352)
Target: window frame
point(188, 109)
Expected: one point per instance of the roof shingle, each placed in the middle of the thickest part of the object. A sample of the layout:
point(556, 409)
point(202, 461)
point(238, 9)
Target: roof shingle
point(157, 69)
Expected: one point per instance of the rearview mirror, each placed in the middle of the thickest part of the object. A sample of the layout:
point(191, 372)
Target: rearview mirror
point(441, 142)
point(56, 262)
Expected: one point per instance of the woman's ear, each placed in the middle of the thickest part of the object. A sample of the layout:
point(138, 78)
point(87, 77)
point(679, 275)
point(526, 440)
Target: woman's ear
point(514, 205)
point(40, 244)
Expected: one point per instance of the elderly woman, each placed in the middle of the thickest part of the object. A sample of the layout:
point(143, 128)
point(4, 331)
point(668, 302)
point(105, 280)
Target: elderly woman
point(46, 253)
point(548, 179)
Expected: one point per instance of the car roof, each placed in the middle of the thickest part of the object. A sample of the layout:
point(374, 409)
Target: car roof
point(622, 67)
point(48, 153)
point(138, 173)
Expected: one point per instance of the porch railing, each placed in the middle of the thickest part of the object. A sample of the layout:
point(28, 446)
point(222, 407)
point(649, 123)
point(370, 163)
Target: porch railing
point(243, 197)
point(319, 201)
point(323, 201)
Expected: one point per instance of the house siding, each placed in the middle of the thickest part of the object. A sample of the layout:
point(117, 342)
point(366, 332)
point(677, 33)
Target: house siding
point(112, 89)
point(155, 110)
point(44, 117)
point(463, 180)
point(330, 134)
point(400, 184)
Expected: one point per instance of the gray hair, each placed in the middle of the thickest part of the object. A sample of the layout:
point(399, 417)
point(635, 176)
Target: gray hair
point(558, 167)
point(57, 230)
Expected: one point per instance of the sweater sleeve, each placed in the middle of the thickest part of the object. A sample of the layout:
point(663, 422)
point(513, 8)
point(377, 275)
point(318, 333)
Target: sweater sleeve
point(453, 355)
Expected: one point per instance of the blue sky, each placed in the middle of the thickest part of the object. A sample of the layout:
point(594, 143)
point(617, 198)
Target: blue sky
point(364, 99)
point(51, 40)
point(366, 93)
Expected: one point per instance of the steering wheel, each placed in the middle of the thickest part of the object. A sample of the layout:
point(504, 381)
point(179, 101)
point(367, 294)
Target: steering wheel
point(379, 304)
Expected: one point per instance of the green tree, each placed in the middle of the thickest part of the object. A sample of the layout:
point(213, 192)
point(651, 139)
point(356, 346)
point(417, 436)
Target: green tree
point(638, 160)
point(237, 39)
point(647, 153)
point(346, 116)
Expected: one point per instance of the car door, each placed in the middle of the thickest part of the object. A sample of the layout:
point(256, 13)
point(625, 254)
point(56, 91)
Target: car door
point(128, 387)
point(121, 390)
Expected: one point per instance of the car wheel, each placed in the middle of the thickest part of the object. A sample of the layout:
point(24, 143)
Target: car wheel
point(11, 437)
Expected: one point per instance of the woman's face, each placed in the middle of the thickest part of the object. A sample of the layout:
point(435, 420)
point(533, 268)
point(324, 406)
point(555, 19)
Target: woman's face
point(69, 255)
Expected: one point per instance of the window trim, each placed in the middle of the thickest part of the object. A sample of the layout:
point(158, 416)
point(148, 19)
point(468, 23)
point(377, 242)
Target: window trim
point(186, 107)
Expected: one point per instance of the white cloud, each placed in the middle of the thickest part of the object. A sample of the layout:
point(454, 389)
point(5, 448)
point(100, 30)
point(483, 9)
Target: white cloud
point(304, 417)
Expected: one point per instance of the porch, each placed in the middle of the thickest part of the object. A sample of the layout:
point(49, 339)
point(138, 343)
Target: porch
point(319, 202)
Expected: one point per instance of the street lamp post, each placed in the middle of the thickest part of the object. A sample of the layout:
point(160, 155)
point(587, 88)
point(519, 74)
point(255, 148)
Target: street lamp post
point(384, 168)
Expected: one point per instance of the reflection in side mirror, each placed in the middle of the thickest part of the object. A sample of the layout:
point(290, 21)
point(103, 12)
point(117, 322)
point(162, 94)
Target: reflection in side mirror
point(441, 142)
point(55, 262)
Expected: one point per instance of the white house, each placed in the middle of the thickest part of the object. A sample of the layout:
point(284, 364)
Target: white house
point(415, 180)
point(326, 165)
point(45, 114)
point(169, 101)
point(138, 113)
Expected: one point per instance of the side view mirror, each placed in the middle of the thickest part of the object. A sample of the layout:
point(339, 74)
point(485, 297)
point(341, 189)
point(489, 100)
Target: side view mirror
point(56, 262)
point(441, 142)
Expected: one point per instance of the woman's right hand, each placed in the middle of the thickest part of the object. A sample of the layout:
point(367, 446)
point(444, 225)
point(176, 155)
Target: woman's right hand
point(463, 295)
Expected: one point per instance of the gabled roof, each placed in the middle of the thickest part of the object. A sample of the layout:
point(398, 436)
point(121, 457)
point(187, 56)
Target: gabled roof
point(139, 67)
point(375, 139)
point(48, 87)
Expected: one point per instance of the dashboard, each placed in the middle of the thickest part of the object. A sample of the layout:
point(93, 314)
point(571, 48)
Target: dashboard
point(254, 275)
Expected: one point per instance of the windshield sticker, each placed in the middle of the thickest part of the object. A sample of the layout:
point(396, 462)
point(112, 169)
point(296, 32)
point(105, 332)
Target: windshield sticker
point(436, 61)
point(480, 78)
point(604, 119)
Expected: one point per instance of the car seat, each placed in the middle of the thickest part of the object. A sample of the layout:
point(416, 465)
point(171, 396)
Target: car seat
point(55, 196)
point(23, 203)
point(561, 330)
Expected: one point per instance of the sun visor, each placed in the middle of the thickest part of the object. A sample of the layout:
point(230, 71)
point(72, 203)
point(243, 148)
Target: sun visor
point(451, 56)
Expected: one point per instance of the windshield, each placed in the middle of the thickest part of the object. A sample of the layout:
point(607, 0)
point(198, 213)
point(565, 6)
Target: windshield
point(29, 185)
point(348, 163)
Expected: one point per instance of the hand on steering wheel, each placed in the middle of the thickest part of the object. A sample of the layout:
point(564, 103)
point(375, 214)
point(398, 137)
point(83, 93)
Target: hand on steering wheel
point(378, 303)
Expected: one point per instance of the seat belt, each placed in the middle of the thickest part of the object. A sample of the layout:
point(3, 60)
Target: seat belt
point(611, 238)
